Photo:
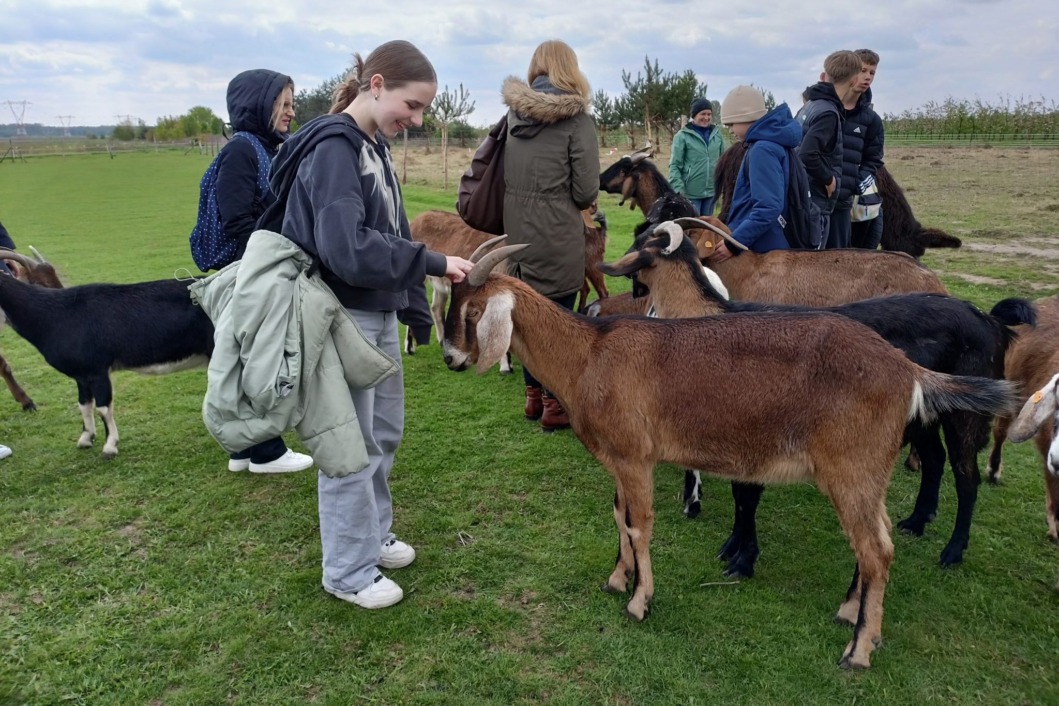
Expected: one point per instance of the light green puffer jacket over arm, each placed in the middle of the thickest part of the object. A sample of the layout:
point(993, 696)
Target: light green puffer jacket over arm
point(285, 354)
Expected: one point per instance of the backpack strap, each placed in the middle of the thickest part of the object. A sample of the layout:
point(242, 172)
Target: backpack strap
point(264, 161)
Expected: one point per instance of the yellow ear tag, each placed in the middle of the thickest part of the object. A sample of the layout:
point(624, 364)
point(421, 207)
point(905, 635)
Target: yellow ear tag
point(1037, 397)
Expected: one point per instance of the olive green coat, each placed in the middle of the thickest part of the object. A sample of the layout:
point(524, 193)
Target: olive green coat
point(551, 173)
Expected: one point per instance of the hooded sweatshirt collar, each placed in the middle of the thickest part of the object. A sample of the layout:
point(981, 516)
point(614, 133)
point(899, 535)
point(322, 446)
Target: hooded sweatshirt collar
point(251, 96)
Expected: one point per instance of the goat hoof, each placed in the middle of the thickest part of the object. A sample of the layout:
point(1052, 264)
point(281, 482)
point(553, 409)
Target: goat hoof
point(29, 407)
point(850, 663)
point(692, 510)
point(109, 455)
point(911, 526)
point(607, 588)
point(950, 557)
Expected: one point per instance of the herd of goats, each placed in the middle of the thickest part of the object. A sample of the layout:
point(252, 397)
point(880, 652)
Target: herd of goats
point(834, 360)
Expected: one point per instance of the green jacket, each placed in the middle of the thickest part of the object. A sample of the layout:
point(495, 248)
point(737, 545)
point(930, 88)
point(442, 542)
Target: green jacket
point(551, 173)
point(693, 162)
point(285, 354)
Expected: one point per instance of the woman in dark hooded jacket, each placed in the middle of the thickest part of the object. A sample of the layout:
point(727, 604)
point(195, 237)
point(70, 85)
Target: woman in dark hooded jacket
point(261, 103)
point(551, 173)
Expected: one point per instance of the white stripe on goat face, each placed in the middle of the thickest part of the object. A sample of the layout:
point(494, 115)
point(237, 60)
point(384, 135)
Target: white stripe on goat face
point(494, 330)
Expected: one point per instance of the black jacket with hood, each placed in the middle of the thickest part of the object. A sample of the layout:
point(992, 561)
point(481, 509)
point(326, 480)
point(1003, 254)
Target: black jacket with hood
point(821, 148)
point(551, 173)
point(251, 96)
point(339, 199)
point(862, 147)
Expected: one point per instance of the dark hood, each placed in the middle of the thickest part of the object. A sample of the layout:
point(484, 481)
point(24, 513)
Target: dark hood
point(824, 91)
point(285, 165)
point(251, 96)
point(537, 106)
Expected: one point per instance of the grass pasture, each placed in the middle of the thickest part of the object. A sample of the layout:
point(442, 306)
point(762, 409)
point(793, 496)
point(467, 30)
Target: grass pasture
point(159, 578)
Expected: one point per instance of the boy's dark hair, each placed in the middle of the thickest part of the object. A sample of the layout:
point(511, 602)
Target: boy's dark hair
point(868, 56)
point(841, 66)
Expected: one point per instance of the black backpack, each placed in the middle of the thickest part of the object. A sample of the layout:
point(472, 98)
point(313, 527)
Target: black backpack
point(801, 218)
point(210, 247)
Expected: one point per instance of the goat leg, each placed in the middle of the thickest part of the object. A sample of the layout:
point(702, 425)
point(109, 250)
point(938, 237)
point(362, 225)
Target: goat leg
point(995, 468)
point(692, 494)
point(932, 462)
point(16, 390)
point(87, 407)
point(624, 564)
point(961, 433)
point(741, 548)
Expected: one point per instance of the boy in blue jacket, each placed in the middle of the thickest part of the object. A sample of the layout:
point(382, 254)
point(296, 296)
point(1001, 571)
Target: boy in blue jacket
point(759, 203)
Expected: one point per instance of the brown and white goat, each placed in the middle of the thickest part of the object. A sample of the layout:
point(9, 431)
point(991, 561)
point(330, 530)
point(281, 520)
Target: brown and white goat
point(937, 332)
point(636, 179)
point(34, 271)
point(803, 396)
point(1031, 363)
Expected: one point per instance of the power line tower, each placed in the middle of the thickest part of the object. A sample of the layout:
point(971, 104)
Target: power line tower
point(65, 120)
point(20, 116)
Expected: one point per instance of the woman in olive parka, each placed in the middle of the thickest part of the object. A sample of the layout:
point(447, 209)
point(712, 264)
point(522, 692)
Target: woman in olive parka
point(551, 173)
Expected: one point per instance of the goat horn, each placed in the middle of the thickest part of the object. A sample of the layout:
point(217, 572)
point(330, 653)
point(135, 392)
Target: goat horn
point(676, 236)
point(21, 259)
point(483, 267)
point(36, 254)
point(699, 223)
point(485, 247)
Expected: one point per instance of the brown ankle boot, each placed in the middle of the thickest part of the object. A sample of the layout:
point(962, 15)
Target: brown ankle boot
point(534, 407)
point(554, 416)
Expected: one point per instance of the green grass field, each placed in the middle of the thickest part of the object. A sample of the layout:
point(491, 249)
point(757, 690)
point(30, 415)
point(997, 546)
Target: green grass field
point(161, 578)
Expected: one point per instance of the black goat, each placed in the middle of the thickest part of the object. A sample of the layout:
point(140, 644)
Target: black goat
point(938, 332)
point(636, 179)
point(85, 332)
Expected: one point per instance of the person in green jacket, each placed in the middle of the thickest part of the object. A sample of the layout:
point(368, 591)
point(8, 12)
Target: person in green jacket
point(696, 149)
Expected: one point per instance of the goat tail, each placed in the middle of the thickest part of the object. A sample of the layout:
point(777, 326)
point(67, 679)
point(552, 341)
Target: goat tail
point(938, 393)
point(937, 238)
point(1014, 311)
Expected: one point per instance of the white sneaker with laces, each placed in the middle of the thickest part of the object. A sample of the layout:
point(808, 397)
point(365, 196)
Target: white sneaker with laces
point(289, 462)
point(381, 593)
point(236, 465)
point(395, 554)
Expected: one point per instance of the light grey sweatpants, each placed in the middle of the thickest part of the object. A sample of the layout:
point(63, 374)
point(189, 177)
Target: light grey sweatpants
point(356, 511)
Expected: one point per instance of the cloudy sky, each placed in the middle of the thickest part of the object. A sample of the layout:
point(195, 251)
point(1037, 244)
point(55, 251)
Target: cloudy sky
point(99, 59)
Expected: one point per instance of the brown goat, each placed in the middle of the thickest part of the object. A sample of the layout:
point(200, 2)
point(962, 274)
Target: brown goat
point(802, 397)
point(901, 231)
point(595, 223)
point(1031, 362)
point(816, 277)
point(34, 271)
point(637, 179)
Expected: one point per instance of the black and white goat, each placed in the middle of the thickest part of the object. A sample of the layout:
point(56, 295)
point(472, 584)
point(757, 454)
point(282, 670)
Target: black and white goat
point(85, 332)
point(937, 332)
point(801, 397)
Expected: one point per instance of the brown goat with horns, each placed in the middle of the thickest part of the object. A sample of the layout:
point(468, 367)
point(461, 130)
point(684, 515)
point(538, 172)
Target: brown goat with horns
point(803, 397)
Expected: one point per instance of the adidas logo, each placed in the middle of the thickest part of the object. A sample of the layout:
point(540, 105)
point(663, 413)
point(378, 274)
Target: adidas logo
point(856, 130)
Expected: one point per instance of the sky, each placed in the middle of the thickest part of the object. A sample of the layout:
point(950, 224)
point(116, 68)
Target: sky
point(100, 62)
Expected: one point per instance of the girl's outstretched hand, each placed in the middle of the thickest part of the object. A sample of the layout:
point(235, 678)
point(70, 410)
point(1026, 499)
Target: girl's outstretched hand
point(456, 268)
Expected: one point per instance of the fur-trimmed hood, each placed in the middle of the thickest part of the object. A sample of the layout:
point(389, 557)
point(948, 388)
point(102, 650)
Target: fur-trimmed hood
point(534, 108)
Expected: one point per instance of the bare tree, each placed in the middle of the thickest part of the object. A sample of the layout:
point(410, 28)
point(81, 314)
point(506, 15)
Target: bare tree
point(447, 107)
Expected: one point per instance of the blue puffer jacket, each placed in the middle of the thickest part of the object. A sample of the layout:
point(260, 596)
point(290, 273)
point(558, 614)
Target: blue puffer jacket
point(761, 187)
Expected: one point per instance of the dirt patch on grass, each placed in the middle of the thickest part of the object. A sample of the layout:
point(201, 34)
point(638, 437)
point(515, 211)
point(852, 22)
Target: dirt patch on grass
point(1023, 247)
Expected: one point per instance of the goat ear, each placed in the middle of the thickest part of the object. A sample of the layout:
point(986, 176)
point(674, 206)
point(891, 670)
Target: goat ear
point(494, 331)
point(625, 265)
point(1038, 410)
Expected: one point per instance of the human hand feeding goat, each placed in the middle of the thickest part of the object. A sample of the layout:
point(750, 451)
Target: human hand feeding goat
point(806, 396)
point(938, 332)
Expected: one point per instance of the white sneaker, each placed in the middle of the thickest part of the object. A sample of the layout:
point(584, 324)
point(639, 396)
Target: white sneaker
point(4, 451)
point(287, 463)
point(395, 554)
point(235, 465)
point(382, 593)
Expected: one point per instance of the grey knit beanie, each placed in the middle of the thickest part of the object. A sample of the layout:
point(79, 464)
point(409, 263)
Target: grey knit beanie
point(743, 104)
